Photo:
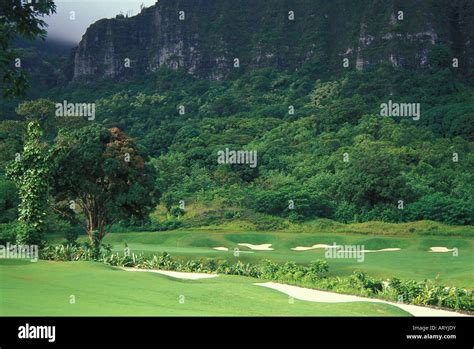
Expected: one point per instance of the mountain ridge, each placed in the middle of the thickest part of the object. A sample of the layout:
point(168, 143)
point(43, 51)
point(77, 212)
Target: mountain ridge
point(205, 37)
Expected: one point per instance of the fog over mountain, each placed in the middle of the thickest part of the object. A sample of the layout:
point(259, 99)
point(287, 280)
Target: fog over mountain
point(61, 26)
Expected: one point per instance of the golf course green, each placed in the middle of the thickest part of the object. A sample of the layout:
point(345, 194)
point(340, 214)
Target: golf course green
point(46, 288)
point(412, 261)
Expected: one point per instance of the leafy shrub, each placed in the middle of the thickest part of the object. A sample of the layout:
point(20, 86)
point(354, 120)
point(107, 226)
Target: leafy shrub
point(71, 236)
point(8, 233)
point(8, 201)
point(443, 208)
point(427, 293)
point(170, 224)
point(68, 252)
point(361, 280)
point(345, 212)
point(177, 211)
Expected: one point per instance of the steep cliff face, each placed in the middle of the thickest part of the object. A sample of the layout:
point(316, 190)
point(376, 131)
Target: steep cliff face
point(204, 37)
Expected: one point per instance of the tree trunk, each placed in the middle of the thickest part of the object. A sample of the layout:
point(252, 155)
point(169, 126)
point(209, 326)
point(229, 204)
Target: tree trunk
point(95, 221)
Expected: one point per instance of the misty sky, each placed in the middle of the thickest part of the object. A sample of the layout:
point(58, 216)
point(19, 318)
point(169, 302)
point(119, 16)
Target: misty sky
point(86, 12)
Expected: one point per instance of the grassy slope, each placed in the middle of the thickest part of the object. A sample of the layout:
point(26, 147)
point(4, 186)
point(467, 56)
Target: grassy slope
point(44, 288)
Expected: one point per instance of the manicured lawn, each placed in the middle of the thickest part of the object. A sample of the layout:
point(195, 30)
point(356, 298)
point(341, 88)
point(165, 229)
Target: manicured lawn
point(412, 262)
point(45, 287)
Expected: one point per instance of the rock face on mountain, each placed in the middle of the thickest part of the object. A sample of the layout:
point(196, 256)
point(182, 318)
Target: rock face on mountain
point(211, 38)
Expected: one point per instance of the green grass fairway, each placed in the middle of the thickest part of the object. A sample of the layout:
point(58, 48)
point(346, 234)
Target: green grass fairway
point(44, 288)
point(412, 262)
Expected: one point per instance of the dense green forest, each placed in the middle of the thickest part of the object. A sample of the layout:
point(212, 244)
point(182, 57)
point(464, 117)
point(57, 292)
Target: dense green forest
point(324, 150)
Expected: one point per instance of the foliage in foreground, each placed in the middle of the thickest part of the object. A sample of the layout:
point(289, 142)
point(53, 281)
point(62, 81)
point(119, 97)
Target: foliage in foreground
point(30, 172)
point(313, 275)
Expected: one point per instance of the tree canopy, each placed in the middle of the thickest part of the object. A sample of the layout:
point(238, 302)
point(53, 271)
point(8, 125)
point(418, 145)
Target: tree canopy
point(98, 173)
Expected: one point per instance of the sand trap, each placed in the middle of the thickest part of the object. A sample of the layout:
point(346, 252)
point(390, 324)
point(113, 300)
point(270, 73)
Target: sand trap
point(176, 274)
point(383, 250)
point(440, 249)
point(262, 247)
point(310, 295)
point(225, 249)
point(305, 248)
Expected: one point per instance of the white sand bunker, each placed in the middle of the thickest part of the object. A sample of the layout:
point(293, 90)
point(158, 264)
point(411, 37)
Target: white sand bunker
point(176, 274)
point(306, 294)
point(303, 248)
point(262, 247)
point(220, 248)
point(306, 248)
point(440, 249)
point(236, 250)
point(383, 250)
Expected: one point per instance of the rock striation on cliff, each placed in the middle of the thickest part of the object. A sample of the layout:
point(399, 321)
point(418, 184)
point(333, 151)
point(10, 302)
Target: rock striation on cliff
point(210, 38)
